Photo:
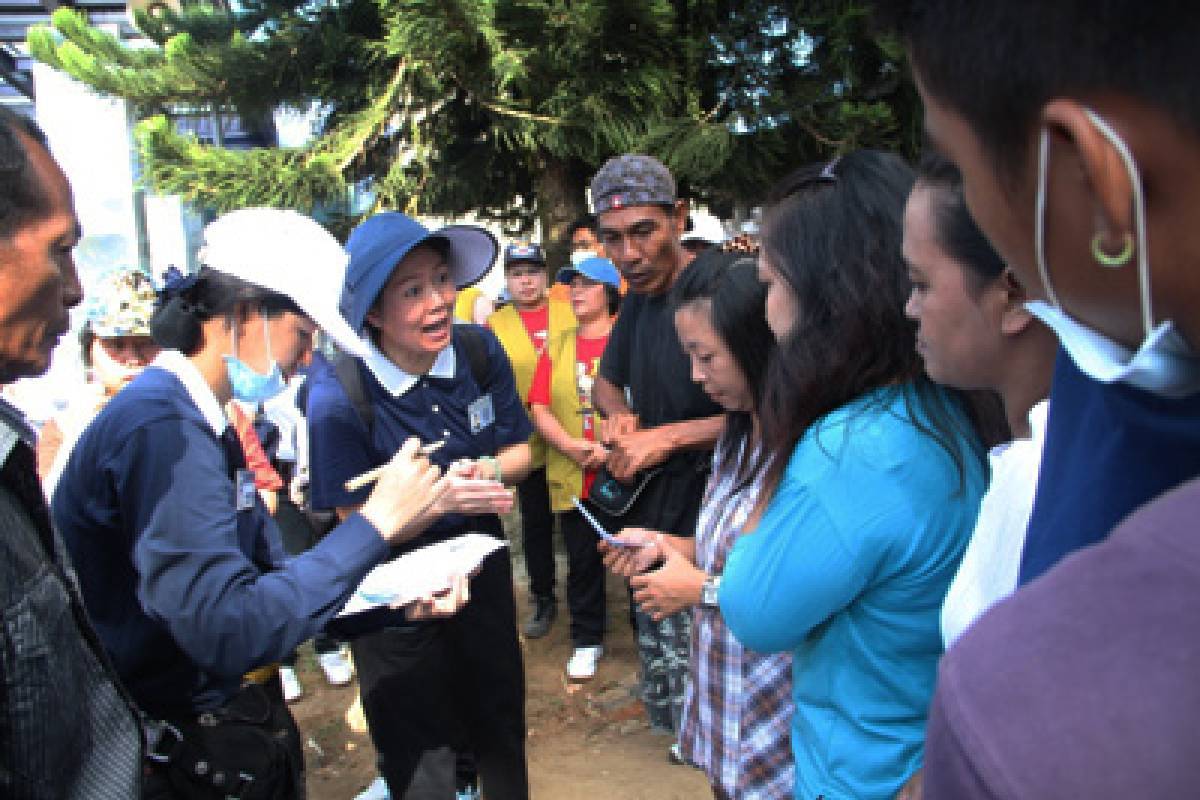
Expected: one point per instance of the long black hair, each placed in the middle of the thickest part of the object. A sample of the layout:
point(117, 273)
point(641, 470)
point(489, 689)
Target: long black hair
point(833, 234)
point(187, 302)
point(727, 282)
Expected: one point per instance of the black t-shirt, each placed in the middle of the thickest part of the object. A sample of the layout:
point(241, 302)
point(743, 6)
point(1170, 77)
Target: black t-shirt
point(644, 355)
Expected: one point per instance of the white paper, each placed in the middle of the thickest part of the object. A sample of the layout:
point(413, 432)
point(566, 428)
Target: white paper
point(421, 573)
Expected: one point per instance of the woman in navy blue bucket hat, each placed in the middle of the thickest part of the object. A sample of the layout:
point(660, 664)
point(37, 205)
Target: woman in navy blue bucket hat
point(433, 690)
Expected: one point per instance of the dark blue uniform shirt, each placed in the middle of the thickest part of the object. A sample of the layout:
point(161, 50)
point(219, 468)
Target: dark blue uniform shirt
point(1109, 449)
point(186, 591)
point(430, 407)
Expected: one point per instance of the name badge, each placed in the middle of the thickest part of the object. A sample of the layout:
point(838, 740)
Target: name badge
point(244, 488)
point(480, 414)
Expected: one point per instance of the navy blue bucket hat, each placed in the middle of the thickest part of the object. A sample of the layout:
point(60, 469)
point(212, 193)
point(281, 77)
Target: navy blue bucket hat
point(379, 243)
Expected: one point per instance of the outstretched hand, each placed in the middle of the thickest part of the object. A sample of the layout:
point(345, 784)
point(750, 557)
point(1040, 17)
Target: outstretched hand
point(669, 589)
point(467, 489)
point(629, 561)
point(617, 425)
point(440, 605)
point(632, 452)
point(591, 455)
point(406, 488)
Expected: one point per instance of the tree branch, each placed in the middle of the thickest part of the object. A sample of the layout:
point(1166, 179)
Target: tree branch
point(513, 112)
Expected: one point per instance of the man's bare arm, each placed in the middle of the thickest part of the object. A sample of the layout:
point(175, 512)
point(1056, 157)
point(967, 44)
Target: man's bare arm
point(609, 399)
point(693, 434)
point(648, 447)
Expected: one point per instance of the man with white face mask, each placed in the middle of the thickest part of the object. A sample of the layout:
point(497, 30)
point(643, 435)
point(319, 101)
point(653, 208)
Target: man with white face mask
point(1083, 170)
point(1072, 207)
point(1130, 408)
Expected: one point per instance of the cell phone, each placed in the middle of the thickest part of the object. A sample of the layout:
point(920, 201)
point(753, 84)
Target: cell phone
point(605, 535)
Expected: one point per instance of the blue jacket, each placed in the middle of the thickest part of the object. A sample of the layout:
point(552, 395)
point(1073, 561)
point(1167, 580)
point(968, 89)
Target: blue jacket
point(187, 589)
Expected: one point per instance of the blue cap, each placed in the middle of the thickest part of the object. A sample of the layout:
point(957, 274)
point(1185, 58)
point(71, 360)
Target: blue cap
point(596, 268)
point(380, 242)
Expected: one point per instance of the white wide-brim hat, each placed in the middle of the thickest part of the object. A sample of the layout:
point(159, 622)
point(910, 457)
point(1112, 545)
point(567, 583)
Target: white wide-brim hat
point(289, 253)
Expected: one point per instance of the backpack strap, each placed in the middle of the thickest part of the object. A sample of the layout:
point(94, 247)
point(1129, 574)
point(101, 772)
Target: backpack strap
point(348, 375)
point(475, 349)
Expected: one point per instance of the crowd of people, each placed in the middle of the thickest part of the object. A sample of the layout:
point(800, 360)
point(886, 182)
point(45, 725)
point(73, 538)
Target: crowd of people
point(902, 489)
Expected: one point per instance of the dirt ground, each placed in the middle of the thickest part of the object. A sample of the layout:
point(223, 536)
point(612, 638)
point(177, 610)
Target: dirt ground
point(585, 740)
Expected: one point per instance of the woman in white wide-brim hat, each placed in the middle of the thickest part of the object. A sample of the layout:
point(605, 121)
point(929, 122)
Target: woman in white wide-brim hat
point(179, 562)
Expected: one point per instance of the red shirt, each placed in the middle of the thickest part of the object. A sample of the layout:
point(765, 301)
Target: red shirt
point(587, 361)
point(537, 324)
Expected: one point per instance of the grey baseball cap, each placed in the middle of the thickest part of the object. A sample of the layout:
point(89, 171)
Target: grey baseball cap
point(631, 180)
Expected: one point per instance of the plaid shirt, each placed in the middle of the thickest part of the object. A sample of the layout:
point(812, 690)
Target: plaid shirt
point(737, 709)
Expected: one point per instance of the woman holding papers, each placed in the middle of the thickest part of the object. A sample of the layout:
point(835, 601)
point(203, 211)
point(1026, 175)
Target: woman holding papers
point(179, 563)
point(431, 691)
point(560, 405)
point(738, 702)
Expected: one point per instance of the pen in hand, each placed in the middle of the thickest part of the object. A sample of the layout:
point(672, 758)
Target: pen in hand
point(369, 477)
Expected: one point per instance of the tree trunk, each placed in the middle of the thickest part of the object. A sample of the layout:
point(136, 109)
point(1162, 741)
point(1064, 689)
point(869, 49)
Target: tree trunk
point(561, 199)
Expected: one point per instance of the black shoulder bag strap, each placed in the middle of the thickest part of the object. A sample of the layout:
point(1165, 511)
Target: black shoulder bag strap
point(347, 370)
point(476, 351)
point(348, 375)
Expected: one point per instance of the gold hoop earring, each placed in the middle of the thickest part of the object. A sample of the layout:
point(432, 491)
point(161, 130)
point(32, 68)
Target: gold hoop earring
point(1112, 261)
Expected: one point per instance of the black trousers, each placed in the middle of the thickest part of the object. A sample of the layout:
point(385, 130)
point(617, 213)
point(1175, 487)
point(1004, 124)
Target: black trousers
point(585, 579)
point(433, 690)
point(537, 532)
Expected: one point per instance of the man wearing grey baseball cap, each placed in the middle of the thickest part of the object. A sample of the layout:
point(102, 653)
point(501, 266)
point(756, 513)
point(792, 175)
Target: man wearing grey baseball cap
point(668, 426)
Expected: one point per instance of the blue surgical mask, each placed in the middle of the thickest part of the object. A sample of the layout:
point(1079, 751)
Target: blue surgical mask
point(251, 386)
point(1163, 364)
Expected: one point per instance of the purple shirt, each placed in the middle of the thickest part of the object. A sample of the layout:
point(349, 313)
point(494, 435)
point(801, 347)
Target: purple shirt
point(1086, 683)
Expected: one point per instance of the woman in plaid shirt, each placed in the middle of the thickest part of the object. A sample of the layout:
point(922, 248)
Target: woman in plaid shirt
point(737, 706)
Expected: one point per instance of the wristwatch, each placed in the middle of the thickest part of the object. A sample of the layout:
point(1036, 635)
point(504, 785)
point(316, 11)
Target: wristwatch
point(708, 592)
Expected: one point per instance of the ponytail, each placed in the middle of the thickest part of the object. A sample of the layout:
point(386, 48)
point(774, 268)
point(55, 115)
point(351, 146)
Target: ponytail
point(186, 302)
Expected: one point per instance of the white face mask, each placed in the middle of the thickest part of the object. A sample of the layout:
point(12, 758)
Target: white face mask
point(1163, 364)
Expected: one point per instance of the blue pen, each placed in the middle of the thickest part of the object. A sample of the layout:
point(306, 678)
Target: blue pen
point(605, 535)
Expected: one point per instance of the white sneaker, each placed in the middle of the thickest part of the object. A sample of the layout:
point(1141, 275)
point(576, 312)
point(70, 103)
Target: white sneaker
point(376, 791)
point(582, 664)
point(292, 690)
point(336, 667)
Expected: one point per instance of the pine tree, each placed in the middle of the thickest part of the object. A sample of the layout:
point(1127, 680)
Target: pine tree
point(501, 107)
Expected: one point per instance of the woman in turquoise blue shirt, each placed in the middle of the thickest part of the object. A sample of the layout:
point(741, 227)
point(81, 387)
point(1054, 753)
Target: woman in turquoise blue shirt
point(873, 477)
